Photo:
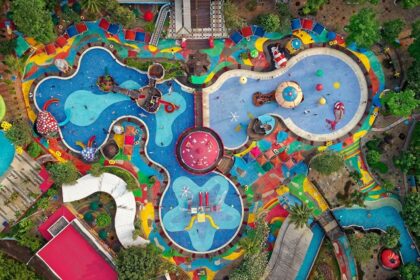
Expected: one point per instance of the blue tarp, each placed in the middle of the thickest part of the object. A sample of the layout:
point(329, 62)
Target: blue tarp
point(72, 31)
point(236, 37)
point(331, 36)
point(113, 28)
point(140, 36)
point(259, 31)
point(318, 28)
point(296, 24)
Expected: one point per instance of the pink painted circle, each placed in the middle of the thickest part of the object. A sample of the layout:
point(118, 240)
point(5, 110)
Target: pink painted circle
point(199, 150)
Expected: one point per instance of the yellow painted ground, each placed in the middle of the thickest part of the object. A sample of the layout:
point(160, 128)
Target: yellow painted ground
point(234, 255)
point(247, 150)
point(26, 86)
point(308, 187)
point(148, 213)
point(171, 50)
point(363, 59)
point(247, 61)
point(209, 77)
point(282, 190)
point(259, 44)
point(304, 37)
point(251, 218)
point(152, 48)
point(119, 139)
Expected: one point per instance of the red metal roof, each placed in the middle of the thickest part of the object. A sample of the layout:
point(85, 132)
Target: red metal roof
point(63, 211)
point(246, 31)
point(104, 24)
point(81, 27)
point(307, 24)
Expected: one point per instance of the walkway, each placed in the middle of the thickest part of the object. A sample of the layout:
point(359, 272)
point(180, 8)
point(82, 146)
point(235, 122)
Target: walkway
point(160, 22)
point(124, 200)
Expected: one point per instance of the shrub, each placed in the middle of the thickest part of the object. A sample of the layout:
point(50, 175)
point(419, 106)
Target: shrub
point(96, 170)
point(391, 237)
point(401, 104)
point(373, 157)
point(231, 15)
point(34, 150)
point(126, 176)
point(362, 246)
point(270, 22)
point(103, 220)
point(410, 213)
point(7, 46)
point(327, 163)
point(12, 269)
point(20, 133)
point(63, 172)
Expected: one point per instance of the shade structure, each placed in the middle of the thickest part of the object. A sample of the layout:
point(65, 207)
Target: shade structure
point(331, 35)
point(390, 259)
point(104, 24)
point(199, 150)
point(113, 28)
point(289, 94)
point(50, 49)
point(246, 31)
point(296, 43)
point(129, 35)
point(296, 24)
point(148, 16)
point(61, 41)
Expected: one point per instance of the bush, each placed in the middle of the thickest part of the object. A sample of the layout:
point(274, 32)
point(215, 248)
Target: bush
point(391, 237)
point(96, 169)
point(34, 150)
point(63, 173)
point(231, 15)
point(270, 22)
point(12, 269)
point(388, 186)
point(327, 163)
point(20, 133)
point(7, 46)
point(103, 220)
point(391, 30)
point(410, 271)
point(373, 157)
point(126, 176)
point(401, 104)
point(251, 5)
point(362, 246)
point(410, 213)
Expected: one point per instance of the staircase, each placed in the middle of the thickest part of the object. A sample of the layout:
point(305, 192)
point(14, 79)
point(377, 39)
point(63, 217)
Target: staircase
point(160, 22)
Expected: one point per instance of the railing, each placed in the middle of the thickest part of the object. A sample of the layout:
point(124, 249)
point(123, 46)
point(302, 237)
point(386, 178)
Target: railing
point(163, 13)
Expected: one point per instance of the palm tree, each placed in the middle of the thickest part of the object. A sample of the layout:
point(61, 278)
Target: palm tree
point(299, 214)
point(15, 64)
point(92, 6)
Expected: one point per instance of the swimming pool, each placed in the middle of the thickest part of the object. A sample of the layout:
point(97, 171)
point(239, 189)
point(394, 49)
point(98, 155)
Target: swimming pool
point(230, 103)
point(7, 153)
point(379, 218)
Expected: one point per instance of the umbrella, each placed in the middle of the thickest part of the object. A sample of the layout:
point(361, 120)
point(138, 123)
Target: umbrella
point(289, 94)
point(254, 53)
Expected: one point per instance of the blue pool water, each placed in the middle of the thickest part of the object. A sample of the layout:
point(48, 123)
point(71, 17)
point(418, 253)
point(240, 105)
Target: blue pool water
point(312, 252)
point(380, 218)
point(7, 153)
point(234, 98)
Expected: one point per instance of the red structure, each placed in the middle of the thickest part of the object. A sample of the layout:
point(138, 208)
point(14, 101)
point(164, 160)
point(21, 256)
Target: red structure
point(199, 150)
point(390, 259)
point(148, 16)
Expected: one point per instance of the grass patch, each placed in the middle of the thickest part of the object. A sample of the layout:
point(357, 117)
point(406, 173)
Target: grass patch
point(173, 69)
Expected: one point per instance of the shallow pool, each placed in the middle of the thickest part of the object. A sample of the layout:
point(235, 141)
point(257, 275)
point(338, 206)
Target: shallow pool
point(7, 153)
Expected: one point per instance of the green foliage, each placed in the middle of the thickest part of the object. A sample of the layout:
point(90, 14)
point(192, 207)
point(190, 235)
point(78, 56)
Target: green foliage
point(33, 19)
point(410, 4)
point(96, 169)
point(173, 69)
point(149, 26)
point(362, 246)
point(126, 176)
point(401, 104)
point(24, 236)
point(391, 30)
point(388, 186)
point(34, 149)
point(123, 16)
point(255, 259)
point(408, 161)
point(413, 78)
point(63, 172)
point(355, 175)
point(7, 46)
point(20, 133)
point(88, 217)
point(92, 6)
point(231, 15)
point(410, 271)
point(15, 64)
point(285, 17)
point(69, 14)
point(270, 22)
point(137, 263)
point(373, 157)
point(363, 29)
point(391, 237)
point(251, 5)
point(411, 212)
point(414, 48)
point(12, 269)
point(103, 220)
point(312, 6)
point(327, 163)
point(43, 203)
point(299, 214)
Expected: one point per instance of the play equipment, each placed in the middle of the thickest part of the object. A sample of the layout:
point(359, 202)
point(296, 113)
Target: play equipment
point(118, 129)
point(338, 114)
point(289, 94)
point(336, 85)
point(319, 73)
point(279, 58)
point(46, 124)
point(319, 87)
point(89, 151)
point(200, 213)
point(62, 65)
point(390, 259)
point(254, 53)
point(322, 101)
point(148, 16)
point(169, 107)
point(243, 80)
point(67, 119)
point(296, 43)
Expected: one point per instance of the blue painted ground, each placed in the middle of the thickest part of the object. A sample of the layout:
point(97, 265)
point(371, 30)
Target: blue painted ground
point(380, 218)
point(7, 153)
point(234, 98)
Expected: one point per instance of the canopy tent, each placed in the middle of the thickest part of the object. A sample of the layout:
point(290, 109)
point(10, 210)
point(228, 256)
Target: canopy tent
point(104, 24)
point(236, 37)
point(318, 28)
point(71, 31)
point(246, 31)
point(258, 31)
point(21, 46)
point(307, 24)
point(296, 24)
point(113, 28)
point(129, 35)
point(50, 49)
point(81, 27)
point(331, 35)
point(61, 41)
point(140, 36)
point(289, 94)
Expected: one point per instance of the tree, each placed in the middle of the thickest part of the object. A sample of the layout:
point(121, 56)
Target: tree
point(391, 237)
point(15, 64)
point(285, 17)
point(137, 263)
point(358, 198)
point(256, 238)
point(299, 214)
point(63, 172)
point(373, 157)
point(103, 220)
point(409, 4)
point(362, 245)
point(400, 104)
point(413, 78)
point(270, 22)
point(411, 212)
point(96, 170)
point(34, 149)
point(327, 163)
point(12, 269)
point(92, 6)
point(43, 203)
point(388, 186)
point(7, 46)
point(231, 15)
point(312, 6)
point(33, 19)
point(123, 15)
point(410, 271)
point(363, 29)
point(20, 133)
point(408, 161)
point(391, 30)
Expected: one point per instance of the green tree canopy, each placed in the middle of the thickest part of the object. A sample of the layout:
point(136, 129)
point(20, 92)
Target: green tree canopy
point(33, 19)
point(414, 48)
point(103, 220)
point(137, 263)
point(299, 214)
point(63, 172)
point(362, 246)
point(20, 133)
point(270, 22)
point(400, 104)
point(388, 186)
point(413, 78)
point(411, 212)
point(312, 6)
point(363, 29)
point(391, 238)
point(123, 16)
point(410, 271)
point(373, 157)
point(391, 30)
point(34, 149)
point(231, 15)
point(12, 269)
point(96, 169)
point(327, 163)
point(409, 4)
point(92, 7)
point(7, 46)
point(408, 161)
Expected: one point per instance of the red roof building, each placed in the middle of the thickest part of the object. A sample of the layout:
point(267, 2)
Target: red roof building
point(64, 212)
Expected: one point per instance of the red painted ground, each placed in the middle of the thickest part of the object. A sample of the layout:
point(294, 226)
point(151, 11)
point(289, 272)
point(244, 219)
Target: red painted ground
point(72, 258)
